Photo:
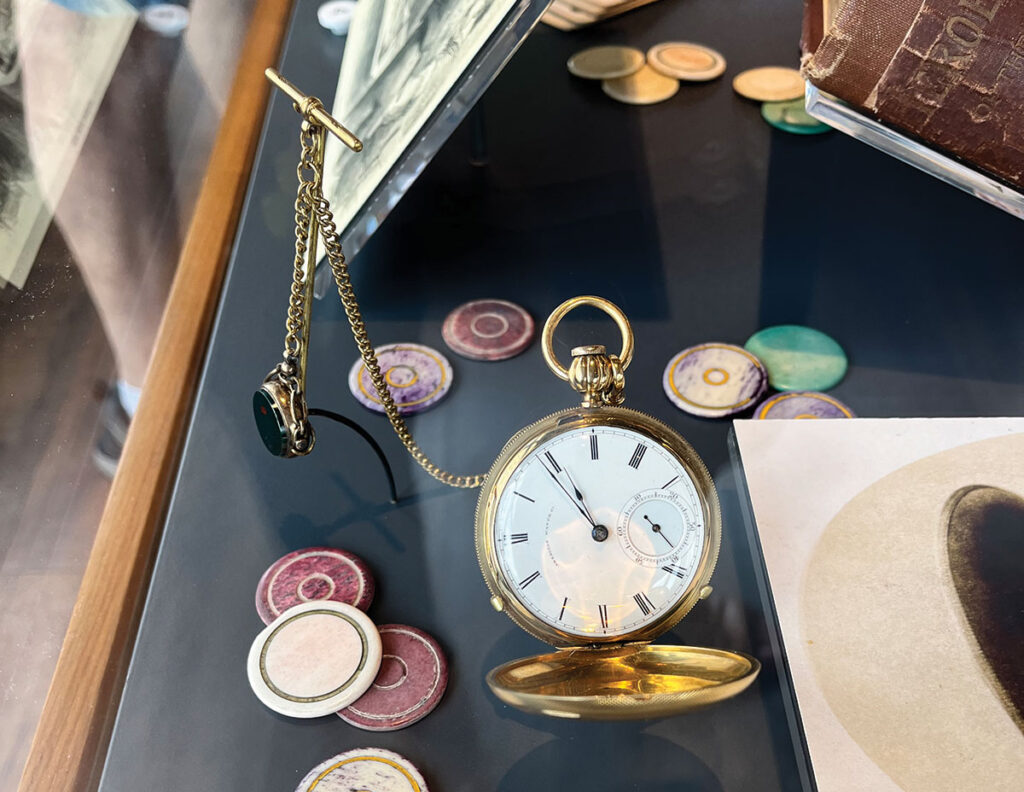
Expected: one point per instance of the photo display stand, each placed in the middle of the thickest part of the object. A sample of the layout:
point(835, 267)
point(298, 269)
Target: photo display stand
point(841, 116)
point(410, 74)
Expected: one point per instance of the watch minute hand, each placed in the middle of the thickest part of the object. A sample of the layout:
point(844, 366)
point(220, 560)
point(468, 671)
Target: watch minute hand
point(570, 497)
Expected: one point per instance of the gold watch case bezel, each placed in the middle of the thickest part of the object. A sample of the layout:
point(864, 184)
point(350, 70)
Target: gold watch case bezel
point(525, 442)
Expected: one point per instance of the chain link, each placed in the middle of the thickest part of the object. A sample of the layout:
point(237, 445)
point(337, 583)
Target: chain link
point(295, 322)
point(311, 200)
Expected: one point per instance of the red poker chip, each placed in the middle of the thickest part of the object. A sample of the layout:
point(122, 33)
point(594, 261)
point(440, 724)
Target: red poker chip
point(488, 330)
point(412, 679)
point(316, 573)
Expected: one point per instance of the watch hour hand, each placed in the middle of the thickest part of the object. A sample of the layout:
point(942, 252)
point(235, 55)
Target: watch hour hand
point(575, 503)
point(579, 497)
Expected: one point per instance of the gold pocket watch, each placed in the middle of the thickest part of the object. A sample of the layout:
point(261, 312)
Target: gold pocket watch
point(597, 527)
point(597, 530)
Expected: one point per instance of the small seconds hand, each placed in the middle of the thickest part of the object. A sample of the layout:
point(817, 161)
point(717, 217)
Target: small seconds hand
point(657, 530)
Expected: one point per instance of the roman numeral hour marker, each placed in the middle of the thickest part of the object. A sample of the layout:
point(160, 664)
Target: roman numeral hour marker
point(643, 603)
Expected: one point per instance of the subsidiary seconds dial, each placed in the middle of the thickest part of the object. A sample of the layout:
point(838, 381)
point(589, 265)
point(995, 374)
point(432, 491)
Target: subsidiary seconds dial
point(571, 538)
point(660, 527)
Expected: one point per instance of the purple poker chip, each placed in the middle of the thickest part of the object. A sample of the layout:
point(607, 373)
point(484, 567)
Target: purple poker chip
point(316, 573)
point(412, 679)
point(714, 380)
point(488, 330)
point(416, 375)
point(375, 769)
point(802, 404)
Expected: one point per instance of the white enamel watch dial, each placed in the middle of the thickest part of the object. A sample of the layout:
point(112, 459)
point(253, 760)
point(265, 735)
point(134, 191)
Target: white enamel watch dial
point(599, 531)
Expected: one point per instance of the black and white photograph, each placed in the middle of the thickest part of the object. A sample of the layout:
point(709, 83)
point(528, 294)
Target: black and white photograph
point(401, 59)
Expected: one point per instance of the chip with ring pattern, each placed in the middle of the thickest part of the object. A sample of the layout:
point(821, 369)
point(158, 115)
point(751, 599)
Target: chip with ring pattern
point(488, 330)
point(802, 404)
point(416, 376)
point(371, 769)
point(312, 574)
point(714, 380)
point(314, 659)
point(412, 680)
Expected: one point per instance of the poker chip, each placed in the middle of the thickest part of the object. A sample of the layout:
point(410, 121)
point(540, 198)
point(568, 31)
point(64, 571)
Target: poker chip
point(167, 19)
point(417, 376)
point(488, 330)
point(769, 84)
point(792, 117)
point(336, 15)
point(312, 575)
point(641, 88)
point(602, 63)
point(373, 769)
point(714, 380)
point(798, 358)
point(314, 659)
point(412, 679)
point(686, 61)
point(802, 404)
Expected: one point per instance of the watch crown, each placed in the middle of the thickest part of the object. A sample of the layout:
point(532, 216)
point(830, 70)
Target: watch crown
point(597, 375)
point(497, 604)
point(705, 592)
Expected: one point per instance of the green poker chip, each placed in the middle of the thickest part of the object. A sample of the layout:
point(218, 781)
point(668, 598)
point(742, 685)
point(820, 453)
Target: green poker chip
point(792, 117)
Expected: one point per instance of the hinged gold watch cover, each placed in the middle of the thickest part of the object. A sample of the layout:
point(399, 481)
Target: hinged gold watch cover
point(597, 530)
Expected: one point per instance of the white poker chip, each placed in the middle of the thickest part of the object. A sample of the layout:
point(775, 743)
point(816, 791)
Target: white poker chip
point(314, 659)
point(714, 380)
point(336, 15)
point(371, 769)
point(167, 19)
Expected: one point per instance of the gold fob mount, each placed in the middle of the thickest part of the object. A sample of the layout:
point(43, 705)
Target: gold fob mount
point(279, 405)
point(597, 530)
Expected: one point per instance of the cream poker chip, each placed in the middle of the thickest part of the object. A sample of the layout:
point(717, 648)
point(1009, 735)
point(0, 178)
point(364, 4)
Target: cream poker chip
point(644, 87)
point(314, 659)
point(769, 84)
point(686, 61)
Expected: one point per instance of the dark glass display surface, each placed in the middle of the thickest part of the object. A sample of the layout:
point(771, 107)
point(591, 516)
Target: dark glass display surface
point(703, 224)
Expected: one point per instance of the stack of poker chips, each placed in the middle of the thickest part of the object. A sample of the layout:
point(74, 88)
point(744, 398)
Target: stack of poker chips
point(781, 93)
point(321, 654)
point(634, 77)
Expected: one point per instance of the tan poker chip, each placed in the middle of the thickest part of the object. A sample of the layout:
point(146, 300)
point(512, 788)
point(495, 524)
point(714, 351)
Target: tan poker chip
point(685, 60)
point(605, 63)
point(579, 16)
point(642, 88)
point(769, 84)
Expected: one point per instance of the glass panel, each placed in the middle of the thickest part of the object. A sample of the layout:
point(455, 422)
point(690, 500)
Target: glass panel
point(107, 116)
point(703, 224)
point(836, 113)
